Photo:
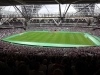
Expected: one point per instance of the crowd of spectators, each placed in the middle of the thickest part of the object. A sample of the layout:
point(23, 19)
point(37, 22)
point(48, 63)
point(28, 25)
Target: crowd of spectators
point(42, 50)
point(29, 60)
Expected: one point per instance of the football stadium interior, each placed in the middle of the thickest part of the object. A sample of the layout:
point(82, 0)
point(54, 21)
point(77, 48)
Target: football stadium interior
point(50, 37)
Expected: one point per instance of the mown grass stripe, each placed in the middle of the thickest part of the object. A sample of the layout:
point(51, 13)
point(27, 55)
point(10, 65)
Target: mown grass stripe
point(63, 38)
point(80, 39)
point(72, 39)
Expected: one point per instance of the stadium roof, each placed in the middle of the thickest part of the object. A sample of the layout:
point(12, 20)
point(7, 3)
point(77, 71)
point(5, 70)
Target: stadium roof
point(26, 2)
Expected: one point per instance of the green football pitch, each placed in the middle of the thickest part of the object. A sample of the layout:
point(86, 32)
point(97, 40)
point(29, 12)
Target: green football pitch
point(54, 39)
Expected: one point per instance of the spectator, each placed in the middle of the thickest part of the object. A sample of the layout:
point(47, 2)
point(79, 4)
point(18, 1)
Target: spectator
point(36, 70)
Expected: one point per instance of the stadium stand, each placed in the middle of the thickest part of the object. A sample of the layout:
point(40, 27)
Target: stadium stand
point(36, 60)
point(28, 60)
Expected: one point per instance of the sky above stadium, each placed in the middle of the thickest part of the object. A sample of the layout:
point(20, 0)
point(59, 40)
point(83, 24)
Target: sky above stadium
point(55, 9)
point(51, 8)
